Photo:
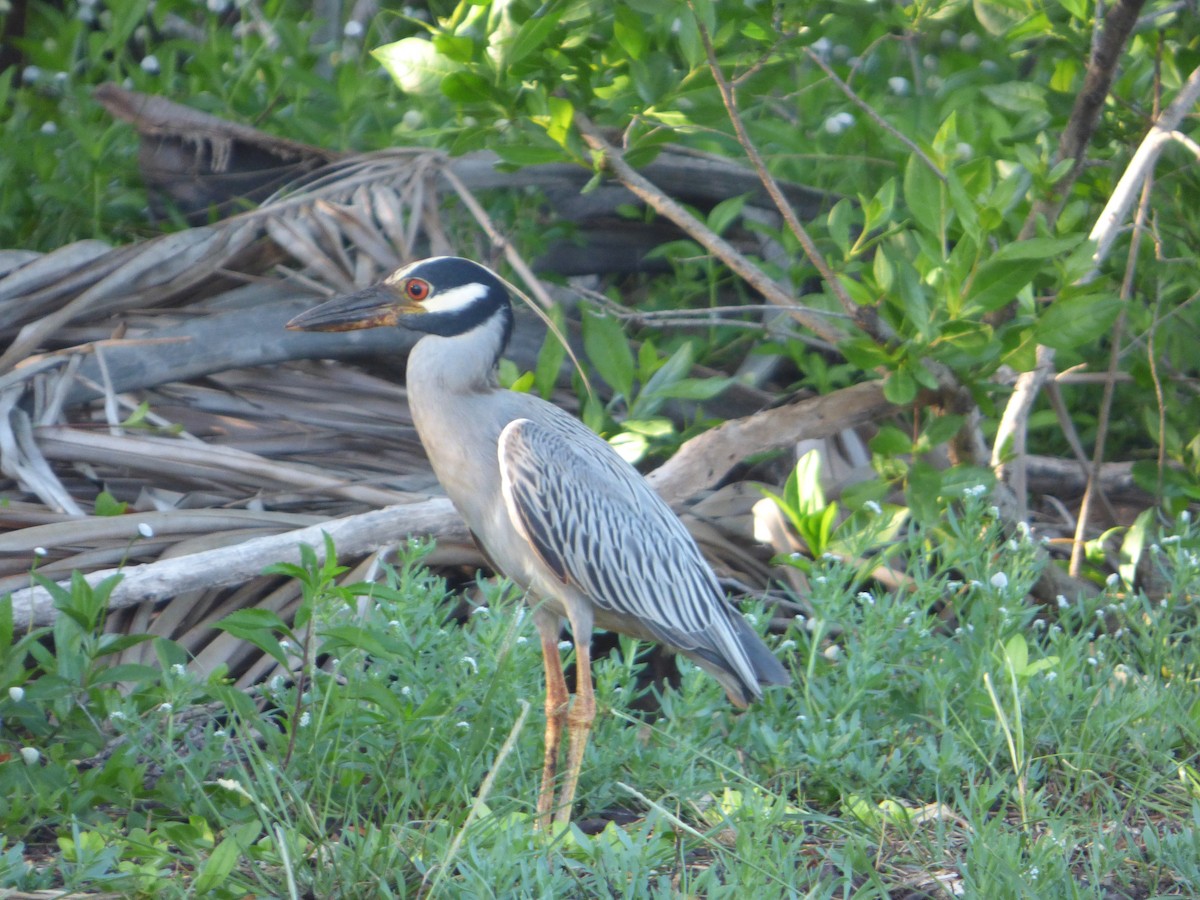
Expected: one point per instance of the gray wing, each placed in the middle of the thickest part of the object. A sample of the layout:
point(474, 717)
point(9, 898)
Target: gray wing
point(597, 525)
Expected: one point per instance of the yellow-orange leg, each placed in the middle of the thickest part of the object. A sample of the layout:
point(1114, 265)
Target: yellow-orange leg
point(579, 725)
point(557, 700)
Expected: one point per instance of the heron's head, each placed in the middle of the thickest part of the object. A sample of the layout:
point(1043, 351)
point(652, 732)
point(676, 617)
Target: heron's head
point(443, 295)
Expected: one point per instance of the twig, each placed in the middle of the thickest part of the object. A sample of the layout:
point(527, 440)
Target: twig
point(1114, 354)
point(862, 315)
point(1162, 132)
point(1119, 24)
point(705, 236)
point(477, 808)
point(874, 116)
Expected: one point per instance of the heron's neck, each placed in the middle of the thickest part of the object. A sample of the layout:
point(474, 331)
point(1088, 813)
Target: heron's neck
point(461, 364)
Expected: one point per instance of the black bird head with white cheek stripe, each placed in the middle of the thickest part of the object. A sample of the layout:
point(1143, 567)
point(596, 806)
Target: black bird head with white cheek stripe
point(443, 295)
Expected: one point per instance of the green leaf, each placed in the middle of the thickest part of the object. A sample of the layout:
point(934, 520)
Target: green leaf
point(923, 194)
point(466, 87)
point(1074, 320)
point(697, 389)
point(605, 345)
point(840, 219)
point(891, 441)
point(1016, 654)
point(1134, 544)
point(108, 505)
point(258, 626)
point(653, 392)
point(629, 30)
point(224, 858)
point(562, 114)
point(415, 65)
point(941, 428)
point(900, 388)
point(809, 495)
point(726, 212)
point(534, 33)
point(458, 48)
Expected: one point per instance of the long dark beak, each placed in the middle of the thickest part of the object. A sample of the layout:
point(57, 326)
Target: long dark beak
point(368, 308)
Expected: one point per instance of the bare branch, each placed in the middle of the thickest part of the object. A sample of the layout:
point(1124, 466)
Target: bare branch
point(714, 243)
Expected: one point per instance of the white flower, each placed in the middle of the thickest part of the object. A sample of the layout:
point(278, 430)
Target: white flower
point(217, 6)
point(470, 661)
point(1063, 603)
point(412, 119)
point(1050, 676)
point(116, 716)
point(49, 128)
point(30, 755)
point(406, 691)
point(969, 42)
point(1092, 661)
point(822, 46)
point(838, 122)
point(463, 725)
point(305, 718)
point(481, 611)
point(178, 669)
point(521, 639)
point(832, 652)
point(30, 74)
point(40, 552)
point(165, 707)
point(145, 530)
point(353, 29)
point(864, 597)
point(564, 646)
point(898, 85)
point(999, 581)
point(16, 694)
point(1185, 516)
point(1113, 579)
point(150, 64)
point(789, 644)
point(872, 507)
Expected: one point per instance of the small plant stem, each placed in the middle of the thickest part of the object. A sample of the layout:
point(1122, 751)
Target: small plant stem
point(477, 808)
point(1014, 754)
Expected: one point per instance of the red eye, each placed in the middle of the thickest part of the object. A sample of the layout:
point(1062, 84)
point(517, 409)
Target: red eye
point(416, 289)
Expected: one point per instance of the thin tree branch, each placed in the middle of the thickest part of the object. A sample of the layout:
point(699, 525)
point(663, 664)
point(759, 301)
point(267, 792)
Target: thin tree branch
point(1102, 69)
point(865, 317)
point(665, 206)
point(874, 116)
point(1140, 168)
point(1114, 356)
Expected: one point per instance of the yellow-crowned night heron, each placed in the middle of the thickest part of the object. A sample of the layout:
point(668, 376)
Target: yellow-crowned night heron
point(551, 504)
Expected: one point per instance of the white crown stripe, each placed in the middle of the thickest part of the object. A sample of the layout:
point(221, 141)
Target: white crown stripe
point(454, 299)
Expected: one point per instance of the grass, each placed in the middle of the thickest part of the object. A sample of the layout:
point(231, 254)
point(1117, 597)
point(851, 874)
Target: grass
point(952, 732)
